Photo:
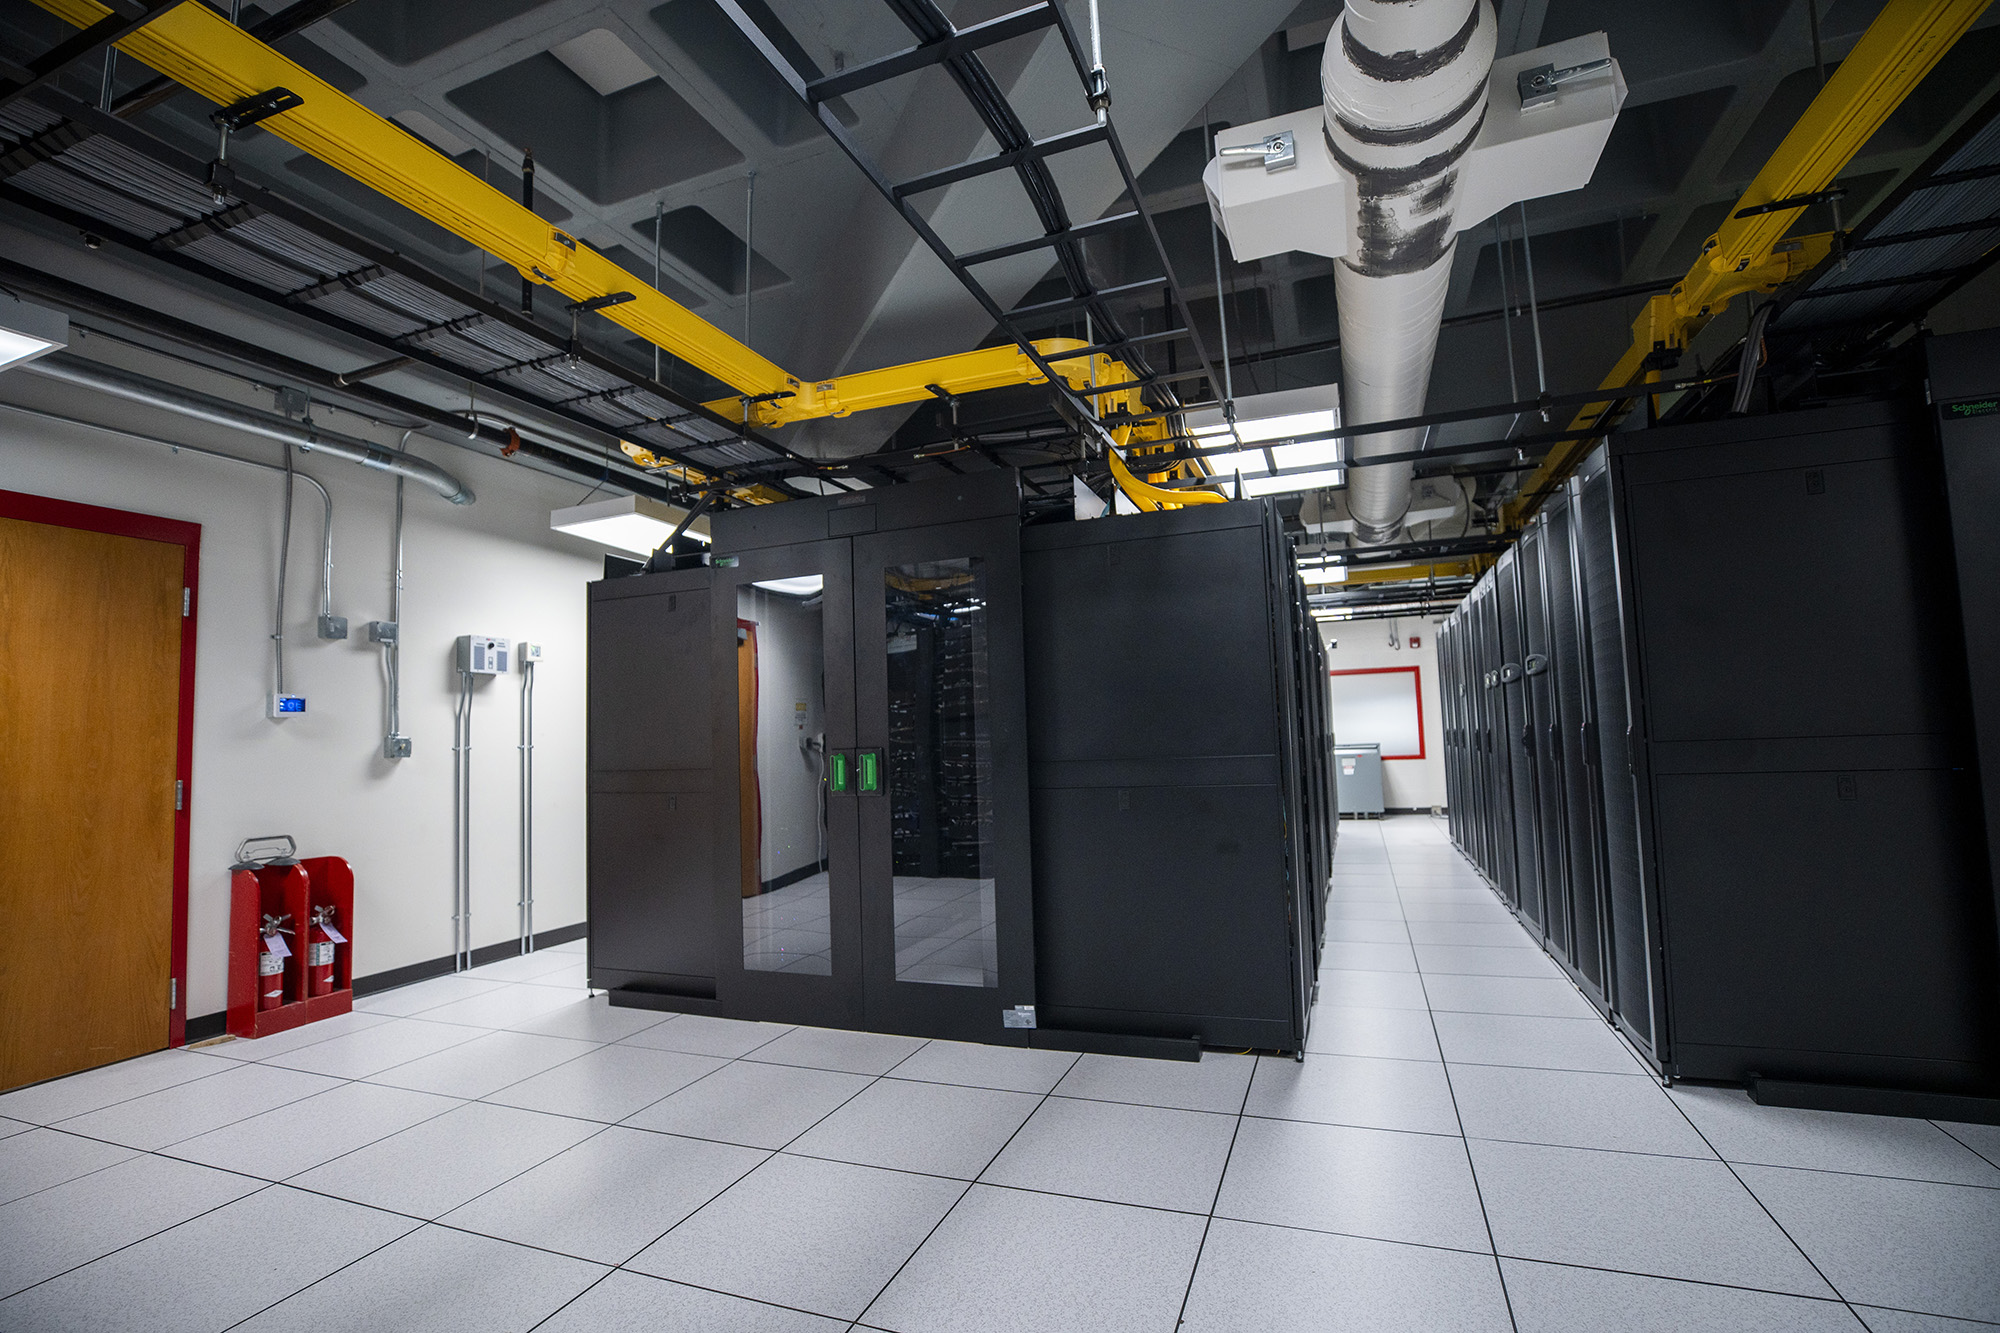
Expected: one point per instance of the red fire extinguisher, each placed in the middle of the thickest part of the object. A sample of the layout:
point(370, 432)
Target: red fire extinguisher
point(271, 961)
point(319, 950)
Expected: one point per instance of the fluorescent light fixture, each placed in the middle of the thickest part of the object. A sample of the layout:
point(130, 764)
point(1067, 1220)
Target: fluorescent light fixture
point(806, 585)
point(1266, 419)
point(1325, 574)
point(632, 523)
point(28, 331)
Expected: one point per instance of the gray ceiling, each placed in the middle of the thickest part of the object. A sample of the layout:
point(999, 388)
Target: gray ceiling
point(638, 106)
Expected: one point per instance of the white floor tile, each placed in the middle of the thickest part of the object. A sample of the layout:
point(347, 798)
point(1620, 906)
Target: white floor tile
point(1552, 1298)
point(1909, 1245)
point(282, 1143)
point(524, 966)
point(437, 1280)
point(59, 1099)
point(1260, 1279)
point(59, 1228)
point(818, 1236)
point(970, 1064)
point(1360, 1182)
point(208, 1273)
point(487, 1063)
point(1369, 1093)
point(758, 1106)
point(1874, 1145)
point(1389, 1034)
point(310, 1034)
point(1542, 997)
point(1482, 961)
point(1352, 987)
point(432, 1168)
point(1213, 1083)
point(698, 1034)
point(593, 1019)
point(1538, 1043)
point(40, 1158)
point(504, 1006)
point(1567, 1108)
point(1664, 1216)
point(422, 996)
point(359, 1054)
point(198, 1106)
point(610, 1196)
point(835, 1048)
point(1008, 1261)
point(940, 1129)
point(1144, 1155)
point(608, 1084)
point(635, 1303)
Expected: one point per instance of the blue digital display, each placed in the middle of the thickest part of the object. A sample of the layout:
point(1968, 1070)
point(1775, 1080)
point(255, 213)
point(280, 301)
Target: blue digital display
point(291, 703)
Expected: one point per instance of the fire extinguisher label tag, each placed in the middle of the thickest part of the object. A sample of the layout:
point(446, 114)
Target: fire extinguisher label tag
point(319, 955)
point(275, 944)
point(332, 933)
point(269, 965)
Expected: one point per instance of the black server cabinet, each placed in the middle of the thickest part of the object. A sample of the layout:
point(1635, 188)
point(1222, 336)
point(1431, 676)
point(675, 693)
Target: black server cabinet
point(848, 673)
point(1772, 689)
point(1965, 391)
point(1812, 792)
point(1181, 789)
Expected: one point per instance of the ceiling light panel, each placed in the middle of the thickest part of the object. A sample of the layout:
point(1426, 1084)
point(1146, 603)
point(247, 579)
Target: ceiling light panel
point(631, 523)
point(603, 61)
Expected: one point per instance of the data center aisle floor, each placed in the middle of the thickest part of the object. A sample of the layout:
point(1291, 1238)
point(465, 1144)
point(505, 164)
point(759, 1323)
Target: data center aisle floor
point(1466, 1147)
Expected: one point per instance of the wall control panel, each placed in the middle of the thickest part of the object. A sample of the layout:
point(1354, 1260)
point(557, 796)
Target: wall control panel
point(484, 654)
point(528, 652)
point(287, 705)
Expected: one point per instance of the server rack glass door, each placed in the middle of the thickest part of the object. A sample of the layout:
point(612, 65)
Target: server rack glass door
point(788, 901)
point(942, 797)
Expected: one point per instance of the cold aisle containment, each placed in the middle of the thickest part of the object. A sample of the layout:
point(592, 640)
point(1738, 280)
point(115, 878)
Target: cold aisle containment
point(1706, 734)
point(893, 761)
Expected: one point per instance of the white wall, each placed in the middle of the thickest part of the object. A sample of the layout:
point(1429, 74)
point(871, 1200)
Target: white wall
point(791, 651)
point(1357, 644)
point(493, 567)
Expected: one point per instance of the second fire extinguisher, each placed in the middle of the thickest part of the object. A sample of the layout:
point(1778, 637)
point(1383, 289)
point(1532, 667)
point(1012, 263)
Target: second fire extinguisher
point(271, 960)
point(319, 950)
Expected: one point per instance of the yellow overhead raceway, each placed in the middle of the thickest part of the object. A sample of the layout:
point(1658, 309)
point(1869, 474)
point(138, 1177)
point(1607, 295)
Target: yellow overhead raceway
point(1750, 254)
point(197, 47)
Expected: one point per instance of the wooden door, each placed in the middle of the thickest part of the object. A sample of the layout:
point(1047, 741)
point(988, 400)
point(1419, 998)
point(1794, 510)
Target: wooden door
point(90, 704)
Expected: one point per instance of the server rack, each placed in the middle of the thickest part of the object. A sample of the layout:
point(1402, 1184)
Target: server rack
point(1067, 786)
point(1182, 791)
point(1756, 811)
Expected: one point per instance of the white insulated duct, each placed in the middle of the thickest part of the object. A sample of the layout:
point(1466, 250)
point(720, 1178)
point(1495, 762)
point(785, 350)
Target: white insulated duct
point(1405, 84)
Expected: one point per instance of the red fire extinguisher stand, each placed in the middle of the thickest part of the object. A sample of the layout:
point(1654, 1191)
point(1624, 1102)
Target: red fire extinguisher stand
point(306, 896)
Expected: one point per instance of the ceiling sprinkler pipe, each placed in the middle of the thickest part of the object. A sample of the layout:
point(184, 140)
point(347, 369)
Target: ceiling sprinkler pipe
point(1405, 88)
point(133, 388)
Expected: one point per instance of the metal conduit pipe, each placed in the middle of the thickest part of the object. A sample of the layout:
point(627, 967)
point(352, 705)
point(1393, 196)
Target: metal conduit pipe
point(1405, 88)
point(219, 412)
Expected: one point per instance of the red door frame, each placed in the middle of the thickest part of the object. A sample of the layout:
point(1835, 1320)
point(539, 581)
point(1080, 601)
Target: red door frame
point(187, 536)
point(1418, 684)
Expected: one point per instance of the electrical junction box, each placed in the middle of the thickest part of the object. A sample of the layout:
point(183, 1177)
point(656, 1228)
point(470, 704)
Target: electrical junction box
point(483, 654)
point(381, 631)
point(333, 627)
point(287, 705)
point(395, 747)
point(528, 652)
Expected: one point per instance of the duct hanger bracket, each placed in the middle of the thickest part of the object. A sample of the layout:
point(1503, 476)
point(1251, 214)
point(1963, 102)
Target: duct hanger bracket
point(1278, 150)
point(1538, 85)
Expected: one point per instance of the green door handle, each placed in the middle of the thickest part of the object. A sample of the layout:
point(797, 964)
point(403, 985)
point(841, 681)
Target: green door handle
point(871, 770)
point(836, 773)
